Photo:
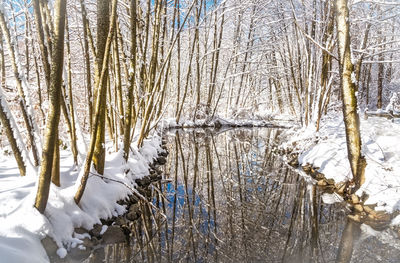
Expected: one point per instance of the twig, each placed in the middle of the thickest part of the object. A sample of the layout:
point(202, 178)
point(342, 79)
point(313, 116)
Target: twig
point(309, 37)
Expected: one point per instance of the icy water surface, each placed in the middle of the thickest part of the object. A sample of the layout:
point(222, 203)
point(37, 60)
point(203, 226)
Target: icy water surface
point(230, 199)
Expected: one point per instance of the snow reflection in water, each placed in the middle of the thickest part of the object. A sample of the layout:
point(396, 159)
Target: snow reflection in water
point(231, 199)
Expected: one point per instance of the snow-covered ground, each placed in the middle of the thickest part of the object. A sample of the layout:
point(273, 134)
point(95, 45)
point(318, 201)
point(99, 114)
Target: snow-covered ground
point(22, 226)
point(380, 145)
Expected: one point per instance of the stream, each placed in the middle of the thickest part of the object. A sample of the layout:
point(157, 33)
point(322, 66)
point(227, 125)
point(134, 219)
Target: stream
point(226, 197)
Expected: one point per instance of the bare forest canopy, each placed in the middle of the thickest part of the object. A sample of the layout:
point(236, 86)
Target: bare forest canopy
point(83, 68)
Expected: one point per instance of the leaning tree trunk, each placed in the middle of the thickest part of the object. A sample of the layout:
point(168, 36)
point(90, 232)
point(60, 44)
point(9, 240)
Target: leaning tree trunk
point(42, 46)
point(53, 118)
point(101, 88)
point(350, 115)
point(5, 120)
point(28, 119)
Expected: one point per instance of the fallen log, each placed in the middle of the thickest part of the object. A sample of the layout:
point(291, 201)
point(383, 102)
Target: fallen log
point(385, 114)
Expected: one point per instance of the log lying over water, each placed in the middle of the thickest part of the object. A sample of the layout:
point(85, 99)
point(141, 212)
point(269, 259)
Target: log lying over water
point(384, 114)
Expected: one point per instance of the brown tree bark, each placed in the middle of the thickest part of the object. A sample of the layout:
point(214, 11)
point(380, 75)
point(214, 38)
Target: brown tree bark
point(86, 35)
point(326, 61)
point(132, 79)
point(350, 115)
point(103, 24)
point(42, 46)
point(101, 88)
point(5, 121)
point(22, 101)
point(57, 62)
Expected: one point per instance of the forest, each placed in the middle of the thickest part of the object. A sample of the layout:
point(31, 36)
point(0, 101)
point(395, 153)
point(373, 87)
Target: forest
point(95, 94)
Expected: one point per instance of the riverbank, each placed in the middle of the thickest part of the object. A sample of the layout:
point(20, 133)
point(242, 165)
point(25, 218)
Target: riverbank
point(327, 151)
point(22, 227)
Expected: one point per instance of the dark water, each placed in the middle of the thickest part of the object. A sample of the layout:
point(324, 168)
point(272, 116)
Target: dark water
point(230, 199)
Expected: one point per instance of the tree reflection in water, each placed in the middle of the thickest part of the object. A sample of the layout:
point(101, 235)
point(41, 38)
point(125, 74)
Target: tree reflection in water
point(230, 199)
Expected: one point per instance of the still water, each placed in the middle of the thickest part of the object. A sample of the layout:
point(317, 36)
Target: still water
point(228, 198)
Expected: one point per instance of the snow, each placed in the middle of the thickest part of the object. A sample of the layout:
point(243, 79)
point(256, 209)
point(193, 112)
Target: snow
point(103, 229)
point(62, 252)
point(22, 226)
point(327, 150)
point(331, 198)
point(394, 104)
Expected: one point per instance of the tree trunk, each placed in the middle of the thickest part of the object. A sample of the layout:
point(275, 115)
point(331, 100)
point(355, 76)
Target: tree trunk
point(6, 120)
point(23, 99)
point(132, 79)
point(350, 115)
point(118, 85)
point(57, 62)
point(86, 30)
point(42, 46)
point(381, 76)
point(103, 24)
point(69, 100)
point(101, 88)
point(326, 61)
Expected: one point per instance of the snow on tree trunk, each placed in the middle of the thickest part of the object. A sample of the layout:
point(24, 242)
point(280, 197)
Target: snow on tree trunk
point(350, 115)
point(13, 135)
point(22, 86)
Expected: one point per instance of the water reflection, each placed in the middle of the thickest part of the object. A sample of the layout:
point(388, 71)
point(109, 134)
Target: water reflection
point(230, 199)
point(233, 200)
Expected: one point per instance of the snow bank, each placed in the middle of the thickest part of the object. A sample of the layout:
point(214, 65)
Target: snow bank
point(22, 226)
point(380, 145)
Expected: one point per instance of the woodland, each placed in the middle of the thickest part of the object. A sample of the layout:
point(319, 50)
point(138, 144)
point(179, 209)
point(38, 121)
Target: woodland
point(94, 77)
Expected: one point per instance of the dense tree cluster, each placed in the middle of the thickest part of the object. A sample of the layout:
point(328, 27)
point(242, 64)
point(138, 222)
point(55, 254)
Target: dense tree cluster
point(114, 69)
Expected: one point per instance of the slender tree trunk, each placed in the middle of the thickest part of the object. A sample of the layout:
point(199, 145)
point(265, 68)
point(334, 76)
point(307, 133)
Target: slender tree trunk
point(103, 24)
point(367, 85)
point(86, 30)
point(350, 115)
point(198, 68)
point(381, 76)
point(6, 119)
point(101, 89)
point(215, 61)
point(118, 85)
point(326, 60)
point(178, 62)
point(42, 45)
point(27, 29)
point(189, 70)
point(69, 98)
point(38, 83)
point(28, 119)
point(249, 44)
point(53, 118)
point(132, 79)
